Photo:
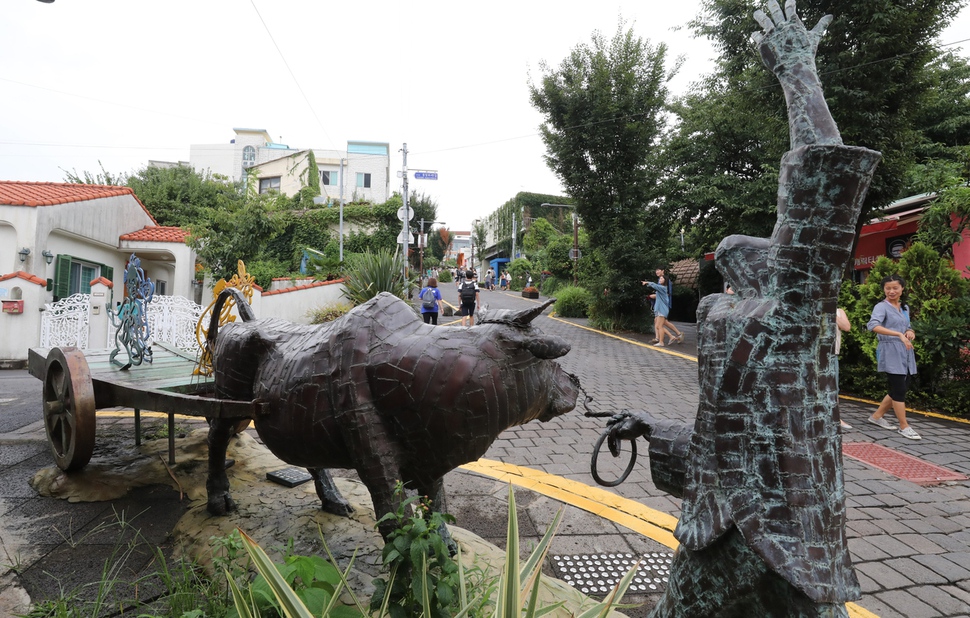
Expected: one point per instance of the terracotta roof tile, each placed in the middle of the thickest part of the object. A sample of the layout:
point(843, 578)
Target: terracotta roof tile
point(25, 276)
point(33, 194)
point(103, 280)
point(157, 233)
point(315, 284)
point(685, 273)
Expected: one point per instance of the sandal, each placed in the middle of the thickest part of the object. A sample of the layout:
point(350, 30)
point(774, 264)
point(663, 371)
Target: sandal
point(655, 342)
point(680, 338)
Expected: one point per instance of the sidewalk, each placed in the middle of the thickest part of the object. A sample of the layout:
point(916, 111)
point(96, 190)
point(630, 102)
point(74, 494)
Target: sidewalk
point(910, 543)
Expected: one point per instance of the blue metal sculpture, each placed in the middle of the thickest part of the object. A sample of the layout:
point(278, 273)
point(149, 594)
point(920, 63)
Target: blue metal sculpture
point(131, 324)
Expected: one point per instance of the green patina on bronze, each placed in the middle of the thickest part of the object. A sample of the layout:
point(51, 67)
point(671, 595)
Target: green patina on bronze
point(762, 529)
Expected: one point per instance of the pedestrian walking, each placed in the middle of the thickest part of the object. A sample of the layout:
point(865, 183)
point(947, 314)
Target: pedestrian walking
point(430, 297)
point(894, 353)
point(842, 324)
point(469, 296)
point(661, 309)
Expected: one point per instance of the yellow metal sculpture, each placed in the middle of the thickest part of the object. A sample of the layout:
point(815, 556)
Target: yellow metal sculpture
point(241, 281)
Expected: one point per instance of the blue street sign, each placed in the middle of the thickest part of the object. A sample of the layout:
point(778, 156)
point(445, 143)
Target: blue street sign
point(426, 175)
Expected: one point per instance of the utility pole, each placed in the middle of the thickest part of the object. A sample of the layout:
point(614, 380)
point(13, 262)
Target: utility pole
point(405, 231)
point(422, 241)
point(512, 257)
point(342, 163)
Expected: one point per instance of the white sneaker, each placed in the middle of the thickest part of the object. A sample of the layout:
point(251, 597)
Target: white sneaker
point(910, 433)
point(882, 422)
point(845, 425)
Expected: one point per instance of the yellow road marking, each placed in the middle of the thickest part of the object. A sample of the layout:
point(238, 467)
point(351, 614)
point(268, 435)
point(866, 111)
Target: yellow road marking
point(663, 350)
point(628, 513)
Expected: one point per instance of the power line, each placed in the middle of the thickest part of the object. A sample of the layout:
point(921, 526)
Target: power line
point(292, 75)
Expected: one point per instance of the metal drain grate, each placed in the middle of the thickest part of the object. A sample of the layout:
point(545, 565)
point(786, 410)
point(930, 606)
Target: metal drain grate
point(596, 574)
point(898, 464)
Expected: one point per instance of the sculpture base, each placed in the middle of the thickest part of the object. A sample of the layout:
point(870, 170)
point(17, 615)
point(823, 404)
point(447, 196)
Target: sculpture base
point(268, 512)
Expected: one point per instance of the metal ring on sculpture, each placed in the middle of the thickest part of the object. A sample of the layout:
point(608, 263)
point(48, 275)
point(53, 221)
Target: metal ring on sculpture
point(595, 457)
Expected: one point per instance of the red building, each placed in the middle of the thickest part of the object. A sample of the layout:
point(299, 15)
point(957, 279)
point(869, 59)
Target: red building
point(893, 232)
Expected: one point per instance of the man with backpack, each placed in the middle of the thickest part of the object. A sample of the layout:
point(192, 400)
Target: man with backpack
point(468, 295)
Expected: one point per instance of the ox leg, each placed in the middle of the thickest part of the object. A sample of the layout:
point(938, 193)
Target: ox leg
point(330, 498)
point(436, 492)
point(217, 485)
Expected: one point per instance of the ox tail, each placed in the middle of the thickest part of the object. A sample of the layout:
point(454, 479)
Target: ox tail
point(242, 306)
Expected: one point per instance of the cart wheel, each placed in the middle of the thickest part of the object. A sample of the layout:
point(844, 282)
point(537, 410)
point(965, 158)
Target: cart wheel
point(69, 408)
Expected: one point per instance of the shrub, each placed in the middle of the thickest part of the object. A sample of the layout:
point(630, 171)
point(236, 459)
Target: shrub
point(444, 276)
point(550, 285)
point(328, 313)
point(519, 268)
point(422, 572)
point(573, 302)
point(369, 274)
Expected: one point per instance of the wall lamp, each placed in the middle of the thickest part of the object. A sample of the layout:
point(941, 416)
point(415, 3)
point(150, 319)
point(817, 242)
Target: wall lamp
point(23, 253)
point(48, 256)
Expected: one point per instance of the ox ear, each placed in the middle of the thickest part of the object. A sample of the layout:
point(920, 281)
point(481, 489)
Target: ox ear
point(547, 346)
point(524, 317)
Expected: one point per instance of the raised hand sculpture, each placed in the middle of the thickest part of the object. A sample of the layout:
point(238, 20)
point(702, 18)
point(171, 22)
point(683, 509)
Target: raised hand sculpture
point(762, 529)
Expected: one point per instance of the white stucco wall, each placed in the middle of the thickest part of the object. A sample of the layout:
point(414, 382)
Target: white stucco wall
point(294, 304)
point(20, 331)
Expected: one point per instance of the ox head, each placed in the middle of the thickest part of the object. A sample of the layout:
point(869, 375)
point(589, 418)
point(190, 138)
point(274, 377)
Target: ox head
point(562, 388)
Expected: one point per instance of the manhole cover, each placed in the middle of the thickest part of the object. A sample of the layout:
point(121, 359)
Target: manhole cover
point(597, 574)
point(898, 464)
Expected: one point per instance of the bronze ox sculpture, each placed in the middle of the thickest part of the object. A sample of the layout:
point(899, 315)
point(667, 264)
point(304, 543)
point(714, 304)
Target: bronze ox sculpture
point(383, 393)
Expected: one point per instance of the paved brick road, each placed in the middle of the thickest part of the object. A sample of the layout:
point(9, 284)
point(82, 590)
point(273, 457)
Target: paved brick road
point(910, 544)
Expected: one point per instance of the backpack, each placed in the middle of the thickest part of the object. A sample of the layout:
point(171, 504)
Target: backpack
point(467, 293)
point(428, 299)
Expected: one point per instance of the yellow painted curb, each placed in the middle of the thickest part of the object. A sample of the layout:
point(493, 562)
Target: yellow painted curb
point(628, 513)
point(662, 350)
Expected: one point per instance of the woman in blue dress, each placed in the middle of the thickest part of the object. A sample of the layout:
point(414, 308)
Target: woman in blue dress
point(661, 309)
point(894, 354)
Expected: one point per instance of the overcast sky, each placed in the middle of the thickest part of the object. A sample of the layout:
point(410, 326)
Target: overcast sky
point(126, 81)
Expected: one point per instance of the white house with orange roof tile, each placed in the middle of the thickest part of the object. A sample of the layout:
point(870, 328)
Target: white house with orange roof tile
point(57, 238)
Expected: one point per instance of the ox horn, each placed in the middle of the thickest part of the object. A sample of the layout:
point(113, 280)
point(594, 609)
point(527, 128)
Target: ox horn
point(242, 306)
point(524, 317)
point(548, 347)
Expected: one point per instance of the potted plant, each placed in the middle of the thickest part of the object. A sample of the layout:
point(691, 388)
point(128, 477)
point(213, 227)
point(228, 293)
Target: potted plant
point(530, 292)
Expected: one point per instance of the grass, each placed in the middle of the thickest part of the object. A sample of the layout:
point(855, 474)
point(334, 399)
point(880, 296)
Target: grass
point(246, 583)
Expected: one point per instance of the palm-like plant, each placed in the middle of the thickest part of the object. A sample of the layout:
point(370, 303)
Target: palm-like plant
point(369, 274)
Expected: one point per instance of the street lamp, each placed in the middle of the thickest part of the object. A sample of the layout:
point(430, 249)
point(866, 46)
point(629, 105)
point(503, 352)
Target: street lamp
point(422, 241)
point(575, 254)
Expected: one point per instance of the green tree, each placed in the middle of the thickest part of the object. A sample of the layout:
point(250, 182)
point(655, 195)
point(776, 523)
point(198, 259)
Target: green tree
point(539, 235)
point(479, 239)
point(723, 160)
point(239, 232)
point(603, 111)
point(179, 195)
point(104, 177)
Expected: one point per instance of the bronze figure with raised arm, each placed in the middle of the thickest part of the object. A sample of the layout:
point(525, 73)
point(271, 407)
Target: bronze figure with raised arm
point(762, 529)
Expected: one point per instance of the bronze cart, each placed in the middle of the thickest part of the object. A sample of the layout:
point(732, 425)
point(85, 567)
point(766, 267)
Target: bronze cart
point(77, 383)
